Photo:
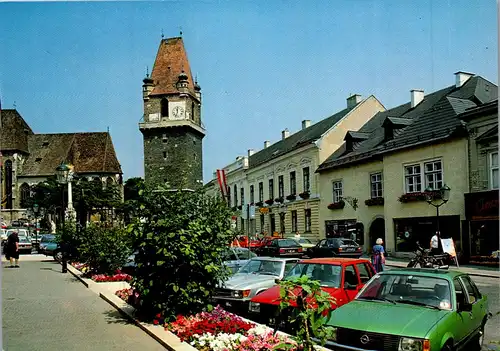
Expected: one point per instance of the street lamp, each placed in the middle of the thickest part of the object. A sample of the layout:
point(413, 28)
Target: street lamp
point(438, 201)
point(62, 173)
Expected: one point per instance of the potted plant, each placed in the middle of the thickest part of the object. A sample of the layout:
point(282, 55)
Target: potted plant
point(269, 202)
point(279, 200)
point(375, 201)
point(291, 197)
point(305, 195)
point(336, 205)
point(419, 196)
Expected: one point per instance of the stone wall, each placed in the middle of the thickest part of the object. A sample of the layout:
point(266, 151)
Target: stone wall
point(176, 159)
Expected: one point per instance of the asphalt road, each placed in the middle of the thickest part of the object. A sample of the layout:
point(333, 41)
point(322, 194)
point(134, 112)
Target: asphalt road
point(45, 310)
point(491, 288)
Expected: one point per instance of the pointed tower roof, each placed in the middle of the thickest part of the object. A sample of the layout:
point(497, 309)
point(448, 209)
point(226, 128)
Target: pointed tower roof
point(171, 61)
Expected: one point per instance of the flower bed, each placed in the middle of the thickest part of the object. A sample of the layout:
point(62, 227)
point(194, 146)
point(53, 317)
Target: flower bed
point(336, 205)
point(118, 277)
point(375, 201)
point(223, 331)
point(129, 296)
point(269, 202)
point(305, 195)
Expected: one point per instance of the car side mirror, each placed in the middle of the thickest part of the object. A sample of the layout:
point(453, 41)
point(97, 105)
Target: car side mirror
point(277, 280)
point(465, 307)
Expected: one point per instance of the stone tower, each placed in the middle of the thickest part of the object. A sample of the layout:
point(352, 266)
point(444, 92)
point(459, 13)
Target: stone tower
point(171, 125)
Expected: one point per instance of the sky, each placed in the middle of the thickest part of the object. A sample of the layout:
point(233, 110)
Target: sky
point(263, 66)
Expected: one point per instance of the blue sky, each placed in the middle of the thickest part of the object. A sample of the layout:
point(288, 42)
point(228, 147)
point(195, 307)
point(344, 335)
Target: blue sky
point(263, 65)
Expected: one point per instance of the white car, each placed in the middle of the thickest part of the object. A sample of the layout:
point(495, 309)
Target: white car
point(20, 232)
point(3, 234)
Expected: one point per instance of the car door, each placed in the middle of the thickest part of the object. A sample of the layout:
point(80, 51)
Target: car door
point(323, 250)
point(364, 273)
point(463, 319)
point(479, 307)
point(351, 282)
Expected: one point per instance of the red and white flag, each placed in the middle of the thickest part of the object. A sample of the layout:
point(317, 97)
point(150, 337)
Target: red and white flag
point(221, 178)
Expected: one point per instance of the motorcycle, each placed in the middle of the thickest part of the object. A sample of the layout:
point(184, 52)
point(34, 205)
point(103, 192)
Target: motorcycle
point(423, 259)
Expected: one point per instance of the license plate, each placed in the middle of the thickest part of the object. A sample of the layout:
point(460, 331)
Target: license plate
point(291, 251)
point(350, 250)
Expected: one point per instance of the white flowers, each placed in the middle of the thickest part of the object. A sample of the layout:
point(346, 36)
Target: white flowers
point(219, 342)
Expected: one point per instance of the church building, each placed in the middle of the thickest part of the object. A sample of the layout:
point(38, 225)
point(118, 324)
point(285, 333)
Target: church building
point(171, 125)
point(29, 158)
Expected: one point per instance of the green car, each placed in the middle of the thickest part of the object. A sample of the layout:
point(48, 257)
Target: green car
point(412, 310)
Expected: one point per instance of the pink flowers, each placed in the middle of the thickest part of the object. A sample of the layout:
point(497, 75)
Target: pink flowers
point(119, 277)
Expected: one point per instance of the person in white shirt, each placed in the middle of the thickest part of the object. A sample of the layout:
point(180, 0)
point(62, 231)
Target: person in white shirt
point(435, 244)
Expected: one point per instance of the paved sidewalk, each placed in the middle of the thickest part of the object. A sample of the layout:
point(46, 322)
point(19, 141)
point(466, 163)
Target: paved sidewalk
point(491, 273)
point(45, 310)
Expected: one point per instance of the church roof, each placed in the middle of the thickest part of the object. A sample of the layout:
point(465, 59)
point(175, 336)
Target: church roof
point(88, 152)
point(171, 60)
point(14, 131)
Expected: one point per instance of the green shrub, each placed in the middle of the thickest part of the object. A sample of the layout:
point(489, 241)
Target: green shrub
point(104, 249)
point(180, 237)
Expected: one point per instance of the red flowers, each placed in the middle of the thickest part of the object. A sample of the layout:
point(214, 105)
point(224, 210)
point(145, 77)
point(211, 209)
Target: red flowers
point(120, 277)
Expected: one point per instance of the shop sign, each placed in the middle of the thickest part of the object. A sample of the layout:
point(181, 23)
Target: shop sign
point(481, 205)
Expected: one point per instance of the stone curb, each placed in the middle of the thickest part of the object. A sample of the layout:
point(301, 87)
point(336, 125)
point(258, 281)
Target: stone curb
point(167, 339)
point(477, 274)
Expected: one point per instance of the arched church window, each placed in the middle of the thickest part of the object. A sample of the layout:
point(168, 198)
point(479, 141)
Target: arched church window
point(25, 194)
point(8, 184)
point(164, 107)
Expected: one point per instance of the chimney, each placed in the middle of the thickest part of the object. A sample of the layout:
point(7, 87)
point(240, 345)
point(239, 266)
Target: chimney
point(417, 95)
point(285, 134)
point(353, 100)
point(306, 123)
point(250, 152)
point(461, 78)
point(267, 143)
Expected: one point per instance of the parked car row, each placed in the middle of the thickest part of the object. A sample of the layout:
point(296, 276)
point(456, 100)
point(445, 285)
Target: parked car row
point(400, 309)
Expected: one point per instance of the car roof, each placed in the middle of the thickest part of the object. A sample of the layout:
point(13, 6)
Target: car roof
point(335, 260)
point(428, 272)
point(268, 258)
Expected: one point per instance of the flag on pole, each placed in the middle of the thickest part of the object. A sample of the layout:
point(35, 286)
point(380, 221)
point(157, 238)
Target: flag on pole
point(221, 178)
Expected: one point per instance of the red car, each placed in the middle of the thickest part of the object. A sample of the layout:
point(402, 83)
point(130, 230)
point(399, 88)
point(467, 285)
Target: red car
point(342, 278)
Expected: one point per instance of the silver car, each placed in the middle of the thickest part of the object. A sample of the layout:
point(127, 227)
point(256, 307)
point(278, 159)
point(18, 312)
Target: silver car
point(236, 257)
point(258, 275)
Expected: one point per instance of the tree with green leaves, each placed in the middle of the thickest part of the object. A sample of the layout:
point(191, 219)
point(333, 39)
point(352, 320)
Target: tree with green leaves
point(180, 238)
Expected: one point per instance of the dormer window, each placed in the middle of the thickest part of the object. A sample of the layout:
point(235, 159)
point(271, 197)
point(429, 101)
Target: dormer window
point(392, 123)
point(354, 137)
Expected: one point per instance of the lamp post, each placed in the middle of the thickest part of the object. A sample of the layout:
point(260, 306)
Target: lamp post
point(62, 172)
point(438, 201)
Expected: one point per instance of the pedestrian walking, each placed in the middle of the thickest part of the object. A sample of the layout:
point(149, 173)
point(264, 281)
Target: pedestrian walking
point(378, 257)
point(12, 249)
point(434, 244)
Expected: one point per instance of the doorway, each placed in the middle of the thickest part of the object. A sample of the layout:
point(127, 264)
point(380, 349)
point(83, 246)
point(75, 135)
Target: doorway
point(377, 230)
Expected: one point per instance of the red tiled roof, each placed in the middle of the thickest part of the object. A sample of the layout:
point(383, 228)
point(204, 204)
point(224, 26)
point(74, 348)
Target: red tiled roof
point(171, 60)
point(14, 131)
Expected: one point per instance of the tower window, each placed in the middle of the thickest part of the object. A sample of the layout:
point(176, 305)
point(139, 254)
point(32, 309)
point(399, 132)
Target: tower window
point(164, 138)
point(194, 156)
point(192, 111)
point(165, 155)
point(164, 107)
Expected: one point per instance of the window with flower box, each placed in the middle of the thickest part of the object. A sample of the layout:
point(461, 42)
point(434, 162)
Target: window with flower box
point(494, 170)
point(306, 179)
point(376, 185)
point(337, 191)
point(251, 194)
point(262, 223)
point(294, 221)
point(431, 172)
point(271, 189)
point(281, 188)
point(293, 183)
point(433, 175)
point(307, 216)
point(261, 192)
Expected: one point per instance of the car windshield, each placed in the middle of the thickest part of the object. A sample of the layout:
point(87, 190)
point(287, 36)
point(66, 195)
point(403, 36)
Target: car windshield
point(432, 292)
point(23, 239)
point(243, 254)
point(305, 241)
point(266, 267)
point(348, 242)
point(329, 275)
point(48, 238)
point(287, 243)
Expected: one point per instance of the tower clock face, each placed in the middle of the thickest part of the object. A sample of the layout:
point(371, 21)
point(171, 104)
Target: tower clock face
point(178, 112)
